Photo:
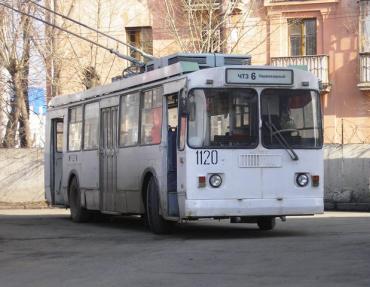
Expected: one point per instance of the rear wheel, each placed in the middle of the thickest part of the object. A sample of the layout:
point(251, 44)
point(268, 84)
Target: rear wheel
point(266, 223)
point(78, 213)
point(156, 223)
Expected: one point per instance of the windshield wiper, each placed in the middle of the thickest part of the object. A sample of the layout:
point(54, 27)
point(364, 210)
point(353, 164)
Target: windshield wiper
point(282, 141)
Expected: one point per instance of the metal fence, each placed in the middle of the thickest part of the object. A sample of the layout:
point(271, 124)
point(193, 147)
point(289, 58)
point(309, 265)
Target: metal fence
point(317, 64)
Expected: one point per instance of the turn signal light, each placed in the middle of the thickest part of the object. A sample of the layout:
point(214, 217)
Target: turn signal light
point(315, 180)
point(201, 181)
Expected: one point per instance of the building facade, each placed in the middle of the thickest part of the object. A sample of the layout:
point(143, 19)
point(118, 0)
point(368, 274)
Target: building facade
point(330, 38)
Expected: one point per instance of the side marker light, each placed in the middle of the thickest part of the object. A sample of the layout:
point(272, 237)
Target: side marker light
point(315, 180)
point(201, 181)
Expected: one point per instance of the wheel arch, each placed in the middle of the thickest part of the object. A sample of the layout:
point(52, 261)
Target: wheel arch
point(72, 174)
point(146, 176)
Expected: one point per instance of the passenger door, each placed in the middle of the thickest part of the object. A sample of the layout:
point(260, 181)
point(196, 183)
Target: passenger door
point(108, 157)
point(56, 161)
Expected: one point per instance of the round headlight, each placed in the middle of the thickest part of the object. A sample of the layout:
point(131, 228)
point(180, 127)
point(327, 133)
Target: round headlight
point(302, 179)
point(215, 180)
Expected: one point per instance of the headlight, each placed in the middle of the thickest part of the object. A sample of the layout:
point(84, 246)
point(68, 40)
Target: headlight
point(215, 180)
point(302, 179)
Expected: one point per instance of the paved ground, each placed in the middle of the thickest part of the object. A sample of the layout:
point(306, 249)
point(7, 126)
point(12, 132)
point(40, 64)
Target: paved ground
point(43, 248)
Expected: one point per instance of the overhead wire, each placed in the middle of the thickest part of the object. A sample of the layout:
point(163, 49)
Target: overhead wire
point(112, 51)
point(145, 55)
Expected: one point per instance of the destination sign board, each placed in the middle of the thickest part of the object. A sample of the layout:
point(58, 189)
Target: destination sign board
point(259, 76)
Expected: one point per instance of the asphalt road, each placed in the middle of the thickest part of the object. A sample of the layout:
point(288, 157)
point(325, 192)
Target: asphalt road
point(44, 248)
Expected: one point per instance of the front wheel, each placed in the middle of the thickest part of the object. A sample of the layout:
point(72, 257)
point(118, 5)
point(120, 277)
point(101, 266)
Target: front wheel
point(156, 223)
point(266, 223)
point(78, 213)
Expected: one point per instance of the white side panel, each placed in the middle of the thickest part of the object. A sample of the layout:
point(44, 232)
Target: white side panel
point(89, 178)
point(109, 102)
point(173, 87)
point(128, 176)
point(132, 163)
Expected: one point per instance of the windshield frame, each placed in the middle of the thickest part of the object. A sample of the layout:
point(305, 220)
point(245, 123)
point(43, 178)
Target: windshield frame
point(257, 142)
point(319, 122)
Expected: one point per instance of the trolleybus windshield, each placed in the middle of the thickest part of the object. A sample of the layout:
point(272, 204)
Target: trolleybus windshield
point(223, 118)
point(291, 114)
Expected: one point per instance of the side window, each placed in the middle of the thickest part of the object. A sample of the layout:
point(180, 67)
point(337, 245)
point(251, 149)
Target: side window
point(151, 117)
point(91, 126)
point(74, 128)
point(59, 136)
point(130, 106)
point(172, 111)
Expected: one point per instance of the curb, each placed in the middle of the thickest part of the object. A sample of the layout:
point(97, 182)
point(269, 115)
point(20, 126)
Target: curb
point(24, 205)
point(346, 206)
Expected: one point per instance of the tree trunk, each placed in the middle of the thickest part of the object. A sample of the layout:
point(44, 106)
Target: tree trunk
point(11, 127)
point(24, 124)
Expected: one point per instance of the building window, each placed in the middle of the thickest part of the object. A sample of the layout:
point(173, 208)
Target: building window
point(91, 126)
point(141, 38)
point(74, 128)
point(151, 117)
point(302, 37)
point(365, 26)
point(130, 105)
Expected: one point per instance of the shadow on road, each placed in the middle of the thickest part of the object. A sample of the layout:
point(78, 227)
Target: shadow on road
point(126, 225)
point(204, 229)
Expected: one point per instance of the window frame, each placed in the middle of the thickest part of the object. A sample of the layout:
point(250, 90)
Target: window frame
point(303, 37)
point(58, 121)
point(83, 127)
point(225, 147)
point(139, 33)
point(160, 87)
point(320, 122)
point(139, 92)
point(68, 127)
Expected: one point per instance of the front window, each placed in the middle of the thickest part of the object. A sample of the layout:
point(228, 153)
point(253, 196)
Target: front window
point(223, 118)
point(293, 115)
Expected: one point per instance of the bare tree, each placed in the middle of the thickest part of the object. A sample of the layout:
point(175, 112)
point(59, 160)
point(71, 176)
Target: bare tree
point(90, 77)
point(15, 50)
point(73, 64)
point(209, 25)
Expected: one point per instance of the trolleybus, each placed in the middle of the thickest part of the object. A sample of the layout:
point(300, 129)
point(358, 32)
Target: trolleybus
point(194, 136)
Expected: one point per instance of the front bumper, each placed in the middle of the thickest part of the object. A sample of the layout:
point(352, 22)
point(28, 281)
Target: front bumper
point(251, 207)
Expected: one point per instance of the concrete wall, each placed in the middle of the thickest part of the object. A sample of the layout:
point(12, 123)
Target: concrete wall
point(21, 175)
point(347, 177)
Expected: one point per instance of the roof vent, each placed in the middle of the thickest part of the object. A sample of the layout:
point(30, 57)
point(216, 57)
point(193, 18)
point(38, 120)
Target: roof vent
point(204, 60)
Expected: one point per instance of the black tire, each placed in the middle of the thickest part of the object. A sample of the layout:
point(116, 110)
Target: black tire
point(78, 213)
point(155, 222)
point(266, 223)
